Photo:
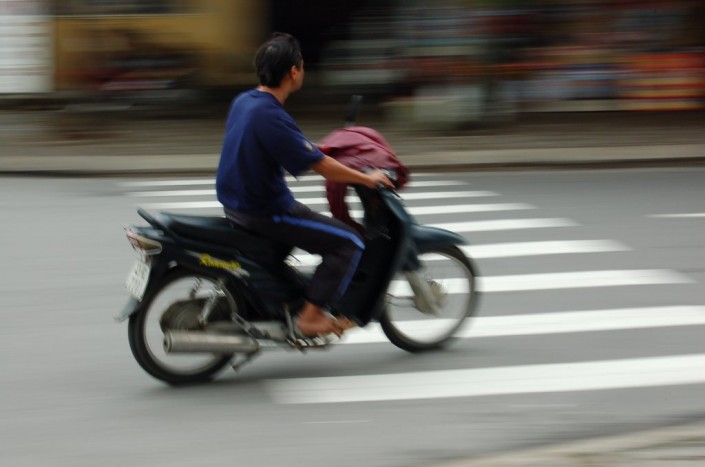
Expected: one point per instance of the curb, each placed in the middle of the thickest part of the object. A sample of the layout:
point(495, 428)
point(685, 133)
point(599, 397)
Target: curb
point(206, 165)
point(565, 165)
point(434, 168)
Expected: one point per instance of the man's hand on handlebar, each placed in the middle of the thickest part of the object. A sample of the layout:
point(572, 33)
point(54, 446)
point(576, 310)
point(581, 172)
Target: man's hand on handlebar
point(376, 178)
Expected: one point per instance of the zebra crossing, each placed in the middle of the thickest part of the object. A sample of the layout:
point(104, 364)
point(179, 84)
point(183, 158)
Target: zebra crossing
point(440, 201)
point(524, 379)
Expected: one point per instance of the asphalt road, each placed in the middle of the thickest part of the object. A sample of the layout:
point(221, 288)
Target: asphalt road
point(592, 322)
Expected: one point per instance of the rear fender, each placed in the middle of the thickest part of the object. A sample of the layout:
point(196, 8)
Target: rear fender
point(239, 275)
point(156, 282)
point(169, 261)
point(130, 308)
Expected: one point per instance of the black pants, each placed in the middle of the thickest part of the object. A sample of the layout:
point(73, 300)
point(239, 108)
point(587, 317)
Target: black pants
point(339, 245)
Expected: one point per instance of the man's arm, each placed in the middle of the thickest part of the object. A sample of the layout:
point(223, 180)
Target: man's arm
point(332, 170)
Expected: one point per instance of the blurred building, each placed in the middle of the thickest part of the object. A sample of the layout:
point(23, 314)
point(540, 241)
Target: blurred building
point(112, 45)
point(466, 60)
point(26, 44)
point(452, 59)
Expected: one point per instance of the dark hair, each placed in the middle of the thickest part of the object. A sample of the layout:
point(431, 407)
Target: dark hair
point(275, 58)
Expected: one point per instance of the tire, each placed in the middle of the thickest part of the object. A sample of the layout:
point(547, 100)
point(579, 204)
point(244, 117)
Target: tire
point(452, 277)
point(146, 335)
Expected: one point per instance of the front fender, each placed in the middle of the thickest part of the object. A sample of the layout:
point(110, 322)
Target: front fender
point(430, 238)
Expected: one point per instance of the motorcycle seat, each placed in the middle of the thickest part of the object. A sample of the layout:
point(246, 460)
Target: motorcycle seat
point(222, 232)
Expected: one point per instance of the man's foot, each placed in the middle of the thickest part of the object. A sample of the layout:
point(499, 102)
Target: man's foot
point(346, 323)
point(312, 324)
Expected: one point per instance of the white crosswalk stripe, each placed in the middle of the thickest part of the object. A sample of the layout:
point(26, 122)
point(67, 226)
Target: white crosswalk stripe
point(688, 215)
point(304, 178)
point(295, 189)
point(553, 377)
point(504, 224)
point(555, 281)
point(171, 193)
point(166, 183)
point(411, 196)
point(417, 211)
point(458, 209)
point(582, 279)
point(547, 323)
point(507, 250)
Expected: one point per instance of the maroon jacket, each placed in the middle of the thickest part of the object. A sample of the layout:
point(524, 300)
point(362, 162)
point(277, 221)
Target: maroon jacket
point(358, 147)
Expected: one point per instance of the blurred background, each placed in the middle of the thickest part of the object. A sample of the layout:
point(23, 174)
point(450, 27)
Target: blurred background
point(442, 62)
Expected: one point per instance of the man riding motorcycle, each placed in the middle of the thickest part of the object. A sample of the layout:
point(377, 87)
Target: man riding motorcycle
point(262, 141)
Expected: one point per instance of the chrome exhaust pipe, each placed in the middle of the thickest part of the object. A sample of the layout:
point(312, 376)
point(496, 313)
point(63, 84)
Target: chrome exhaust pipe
point(205, 342)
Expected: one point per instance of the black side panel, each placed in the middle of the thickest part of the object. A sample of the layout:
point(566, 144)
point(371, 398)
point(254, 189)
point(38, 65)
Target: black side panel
point(274, 289)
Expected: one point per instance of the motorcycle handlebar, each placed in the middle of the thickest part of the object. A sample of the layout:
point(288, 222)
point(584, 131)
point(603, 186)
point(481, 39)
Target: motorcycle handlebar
point(390, 173)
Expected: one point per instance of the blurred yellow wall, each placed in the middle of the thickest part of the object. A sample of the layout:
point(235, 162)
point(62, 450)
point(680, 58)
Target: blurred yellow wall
point(222, 36)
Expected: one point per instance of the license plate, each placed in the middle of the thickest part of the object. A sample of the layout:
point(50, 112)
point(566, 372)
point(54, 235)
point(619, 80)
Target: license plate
point(137, 279)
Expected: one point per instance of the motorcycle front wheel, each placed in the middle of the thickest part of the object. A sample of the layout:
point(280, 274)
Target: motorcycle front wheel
point(449, 278)
point(177, 305)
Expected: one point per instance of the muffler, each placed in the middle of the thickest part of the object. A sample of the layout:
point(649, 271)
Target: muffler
point(205, 342)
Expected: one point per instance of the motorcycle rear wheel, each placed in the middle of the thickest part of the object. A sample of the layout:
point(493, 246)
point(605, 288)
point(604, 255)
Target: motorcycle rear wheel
point(451, 277)
point(146, 334)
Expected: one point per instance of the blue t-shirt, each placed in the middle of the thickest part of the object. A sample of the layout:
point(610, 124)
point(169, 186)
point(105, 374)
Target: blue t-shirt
point(261, 142)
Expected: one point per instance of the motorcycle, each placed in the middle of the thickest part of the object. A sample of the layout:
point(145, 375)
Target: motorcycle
point(206, 293)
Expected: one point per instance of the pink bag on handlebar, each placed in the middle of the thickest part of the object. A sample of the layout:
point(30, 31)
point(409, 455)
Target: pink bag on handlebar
point(358, 147)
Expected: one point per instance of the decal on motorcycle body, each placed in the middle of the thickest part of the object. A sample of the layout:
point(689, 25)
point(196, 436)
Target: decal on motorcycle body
point(233, 267)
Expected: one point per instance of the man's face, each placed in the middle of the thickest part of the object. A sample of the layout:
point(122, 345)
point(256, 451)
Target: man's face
point(297, 76)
